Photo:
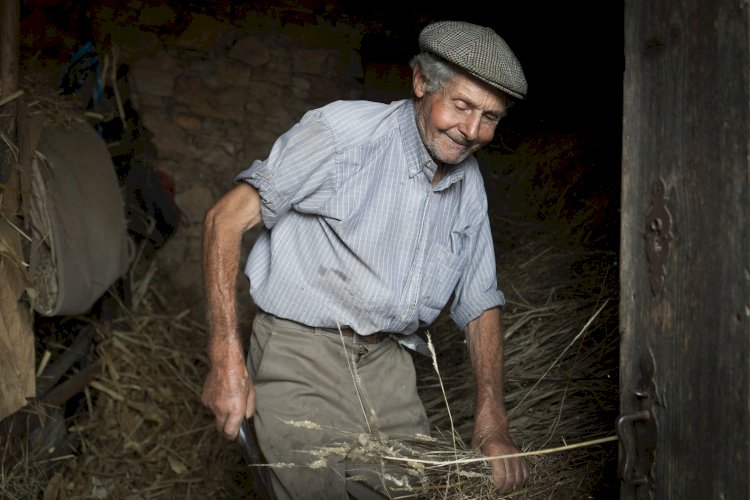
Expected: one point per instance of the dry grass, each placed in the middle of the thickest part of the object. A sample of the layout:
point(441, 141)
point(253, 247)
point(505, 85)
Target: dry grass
point(561, 378)
point(143, 433)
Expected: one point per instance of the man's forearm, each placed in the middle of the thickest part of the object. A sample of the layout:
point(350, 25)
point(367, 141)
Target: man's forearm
point(228, 390)
point(223, 226)
point(220, 255)
point(485, 342)
point(491, 435)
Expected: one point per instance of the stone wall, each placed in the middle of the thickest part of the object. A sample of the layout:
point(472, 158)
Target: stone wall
point(215, 83)
point(215, 98)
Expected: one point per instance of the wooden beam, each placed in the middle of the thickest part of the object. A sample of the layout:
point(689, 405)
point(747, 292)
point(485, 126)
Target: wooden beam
point(72, 386)
point(9, 55)
point(76, 352)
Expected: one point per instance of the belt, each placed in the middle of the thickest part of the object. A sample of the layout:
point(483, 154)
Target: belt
point(373, 338)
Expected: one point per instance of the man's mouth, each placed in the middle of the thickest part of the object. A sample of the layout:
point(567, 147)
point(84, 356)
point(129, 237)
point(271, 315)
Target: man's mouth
point(463, 144)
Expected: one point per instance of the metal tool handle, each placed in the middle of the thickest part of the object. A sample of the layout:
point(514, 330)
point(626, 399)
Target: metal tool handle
point(250, 453)
point(245, 439)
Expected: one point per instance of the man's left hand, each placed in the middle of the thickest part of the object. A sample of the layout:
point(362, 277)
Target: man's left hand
point(508, 474)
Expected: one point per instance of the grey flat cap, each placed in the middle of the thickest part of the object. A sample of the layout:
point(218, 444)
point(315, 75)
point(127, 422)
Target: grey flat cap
point(479, 51)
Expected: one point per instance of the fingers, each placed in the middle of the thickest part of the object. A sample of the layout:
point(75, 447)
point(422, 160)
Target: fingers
point(230, 425)
point(250, 406)
point(227, 421)
point(229, 402)
point(509, 474)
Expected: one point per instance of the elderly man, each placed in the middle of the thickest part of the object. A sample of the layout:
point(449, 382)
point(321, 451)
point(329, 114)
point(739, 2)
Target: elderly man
point(374, 215)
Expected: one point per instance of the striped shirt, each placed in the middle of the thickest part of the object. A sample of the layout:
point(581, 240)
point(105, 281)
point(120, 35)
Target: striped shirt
point(356, 234)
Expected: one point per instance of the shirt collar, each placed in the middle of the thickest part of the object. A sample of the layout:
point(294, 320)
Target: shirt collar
point(418, 159)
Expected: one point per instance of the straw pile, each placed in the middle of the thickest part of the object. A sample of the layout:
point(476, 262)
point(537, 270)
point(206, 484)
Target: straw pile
point(561, 382)
point(143, 432)
point(561, 385)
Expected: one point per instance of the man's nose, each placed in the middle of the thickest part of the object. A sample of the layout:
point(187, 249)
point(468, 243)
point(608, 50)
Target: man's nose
point(469, 126)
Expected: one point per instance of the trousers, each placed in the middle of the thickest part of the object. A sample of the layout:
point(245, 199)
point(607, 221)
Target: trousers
point(316, 390)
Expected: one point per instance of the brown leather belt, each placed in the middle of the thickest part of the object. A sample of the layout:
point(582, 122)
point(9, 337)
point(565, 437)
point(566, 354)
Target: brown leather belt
point(373, 338)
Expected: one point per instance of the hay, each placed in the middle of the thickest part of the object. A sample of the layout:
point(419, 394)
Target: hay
point(41, 96)
point(147, 432)
point(561, 374)
point(143, 432)
point(561, 369)
point(437, 468)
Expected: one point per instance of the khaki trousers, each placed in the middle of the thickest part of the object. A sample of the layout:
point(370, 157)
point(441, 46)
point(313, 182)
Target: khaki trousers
point(305, 374)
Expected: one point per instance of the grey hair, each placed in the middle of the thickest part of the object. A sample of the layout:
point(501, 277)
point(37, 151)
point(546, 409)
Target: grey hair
point(436, 71)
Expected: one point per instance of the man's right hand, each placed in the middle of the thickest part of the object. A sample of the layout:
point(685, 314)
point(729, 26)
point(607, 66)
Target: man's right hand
point(229, 393)
point(228, 390)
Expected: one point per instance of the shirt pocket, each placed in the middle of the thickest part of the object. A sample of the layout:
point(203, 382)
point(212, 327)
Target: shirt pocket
point(442, 272)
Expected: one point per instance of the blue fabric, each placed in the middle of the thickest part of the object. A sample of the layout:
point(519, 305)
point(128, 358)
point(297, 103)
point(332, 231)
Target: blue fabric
point(356, 234)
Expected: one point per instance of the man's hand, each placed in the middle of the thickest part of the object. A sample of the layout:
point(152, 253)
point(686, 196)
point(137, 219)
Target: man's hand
point(485, 341)
point(508, 474)
point(228, 390)
point(229, 393)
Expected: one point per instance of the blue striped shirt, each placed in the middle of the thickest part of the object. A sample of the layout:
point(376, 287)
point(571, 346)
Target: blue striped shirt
point(356, 234)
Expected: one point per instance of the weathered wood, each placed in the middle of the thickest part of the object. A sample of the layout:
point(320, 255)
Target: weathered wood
point(49, 392)
point(29, 133)
point(685, 252)
point(17, 374)
point(72, 386)
point(76, 352)
point(9, 52)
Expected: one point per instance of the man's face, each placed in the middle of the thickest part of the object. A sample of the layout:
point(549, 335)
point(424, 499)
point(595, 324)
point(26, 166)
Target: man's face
point(457, 120)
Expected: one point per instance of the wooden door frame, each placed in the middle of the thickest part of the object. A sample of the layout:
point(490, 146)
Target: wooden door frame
point(685, 249)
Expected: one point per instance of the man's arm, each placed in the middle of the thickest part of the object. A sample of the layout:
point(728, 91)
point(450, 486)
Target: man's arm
point(228, 390)
point(485, 341)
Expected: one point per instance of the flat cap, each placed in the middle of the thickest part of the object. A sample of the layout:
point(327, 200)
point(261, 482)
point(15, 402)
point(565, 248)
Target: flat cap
point(477, 50)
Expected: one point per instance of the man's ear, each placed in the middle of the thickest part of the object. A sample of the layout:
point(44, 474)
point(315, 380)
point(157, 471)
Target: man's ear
point(418, 81)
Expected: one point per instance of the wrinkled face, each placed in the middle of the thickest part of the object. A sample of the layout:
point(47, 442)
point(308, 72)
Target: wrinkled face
point(457, 120)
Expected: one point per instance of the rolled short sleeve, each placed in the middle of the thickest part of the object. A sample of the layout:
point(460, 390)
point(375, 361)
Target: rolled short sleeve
point(477, 288)
point(299, 174)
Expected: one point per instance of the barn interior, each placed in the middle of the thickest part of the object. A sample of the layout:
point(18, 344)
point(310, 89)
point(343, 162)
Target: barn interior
point(104, 329)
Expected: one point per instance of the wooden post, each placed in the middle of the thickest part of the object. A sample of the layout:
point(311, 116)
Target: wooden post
point(9, 54)
point(685, 252)
point(16, 333)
